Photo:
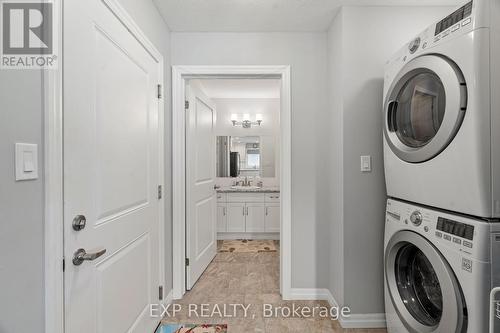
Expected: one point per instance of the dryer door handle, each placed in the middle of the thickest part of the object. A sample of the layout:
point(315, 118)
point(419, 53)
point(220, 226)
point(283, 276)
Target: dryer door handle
point(392, 109)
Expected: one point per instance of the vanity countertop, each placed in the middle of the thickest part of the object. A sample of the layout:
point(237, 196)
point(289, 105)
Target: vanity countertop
point(249, 190)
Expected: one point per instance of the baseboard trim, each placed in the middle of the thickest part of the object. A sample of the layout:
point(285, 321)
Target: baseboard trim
point(248, 235)
point(309, 294)
point(366, 320)
point(355, 320)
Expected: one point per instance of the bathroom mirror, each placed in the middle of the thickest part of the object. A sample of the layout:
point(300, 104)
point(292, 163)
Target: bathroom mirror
point(245, 156)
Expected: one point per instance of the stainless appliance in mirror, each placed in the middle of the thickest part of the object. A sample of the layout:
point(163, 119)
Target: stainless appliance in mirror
point(245, 156)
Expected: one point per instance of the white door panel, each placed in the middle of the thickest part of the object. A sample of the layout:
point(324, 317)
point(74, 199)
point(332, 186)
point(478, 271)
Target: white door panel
point(255, 218)
point(201, 200)
point(111, 173)
point(236, 217)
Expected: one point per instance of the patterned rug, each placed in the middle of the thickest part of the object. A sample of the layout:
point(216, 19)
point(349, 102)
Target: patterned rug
point(191, 328)
point(248, 246)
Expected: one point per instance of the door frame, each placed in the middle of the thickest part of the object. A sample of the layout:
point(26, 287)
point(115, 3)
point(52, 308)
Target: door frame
point(52, 81)
point(179, 76)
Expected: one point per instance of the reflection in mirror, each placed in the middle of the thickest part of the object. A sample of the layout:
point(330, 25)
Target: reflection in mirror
point(245, 156)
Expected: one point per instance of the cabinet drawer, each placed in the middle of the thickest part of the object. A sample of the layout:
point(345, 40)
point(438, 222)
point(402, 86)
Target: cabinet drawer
point(245, 197)
point(221, 197)
point(272, 197)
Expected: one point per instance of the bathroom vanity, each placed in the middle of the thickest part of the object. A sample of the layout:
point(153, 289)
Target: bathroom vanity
point(248, 213)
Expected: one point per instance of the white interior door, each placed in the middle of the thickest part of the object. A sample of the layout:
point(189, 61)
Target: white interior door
point(111, 173)
point(201, 201)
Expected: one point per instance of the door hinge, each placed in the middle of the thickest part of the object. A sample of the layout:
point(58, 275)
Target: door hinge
point(187, 261)
point(159, 91)
point(160, 293)
point(64, 265)
point(160, 192)
point(186, 105)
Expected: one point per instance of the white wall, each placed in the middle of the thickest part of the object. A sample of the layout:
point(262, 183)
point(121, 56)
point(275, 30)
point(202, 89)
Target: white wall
point(360, 41)
point(306, 53)
point(21, 203)
point(268, 107)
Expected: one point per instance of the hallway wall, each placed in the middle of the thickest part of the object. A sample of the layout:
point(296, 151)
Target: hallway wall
point(306, 53)
point(21, 205)
point(360, 41)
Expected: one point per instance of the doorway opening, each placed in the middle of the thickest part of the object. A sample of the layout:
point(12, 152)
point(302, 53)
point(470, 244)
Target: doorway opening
point(231, 176)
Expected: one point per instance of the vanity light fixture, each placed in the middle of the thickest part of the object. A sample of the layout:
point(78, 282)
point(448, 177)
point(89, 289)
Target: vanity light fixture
point(246, 122)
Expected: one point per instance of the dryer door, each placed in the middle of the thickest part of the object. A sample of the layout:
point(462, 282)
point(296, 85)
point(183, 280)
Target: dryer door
point(422, 286)
point(424, 108)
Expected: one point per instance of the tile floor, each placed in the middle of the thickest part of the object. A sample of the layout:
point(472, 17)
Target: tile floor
point(250, 279)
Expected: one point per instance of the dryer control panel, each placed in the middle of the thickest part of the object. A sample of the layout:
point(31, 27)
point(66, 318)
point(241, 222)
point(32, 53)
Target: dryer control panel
point(454, 18)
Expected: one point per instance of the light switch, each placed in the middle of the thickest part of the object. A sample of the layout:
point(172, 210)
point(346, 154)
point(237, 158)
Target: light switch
point(26, 161)
point(366, 163)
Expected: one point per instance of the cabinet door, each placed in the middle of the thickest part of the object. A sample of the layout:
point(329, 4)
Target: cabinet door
point(255, 217)
point(235, 217)
point(221, 218)
point(273, 220)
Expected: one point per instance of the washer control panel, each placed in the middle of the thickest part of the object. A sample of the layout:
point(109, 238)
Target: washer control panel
point(456, 232)
point(467, 237)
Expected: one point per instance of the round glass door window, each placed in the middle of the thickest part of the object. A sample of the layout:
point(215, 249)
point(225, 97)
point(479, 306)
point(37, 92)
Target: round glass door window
point(418, 285)
point(421, 105)
point(424, 108)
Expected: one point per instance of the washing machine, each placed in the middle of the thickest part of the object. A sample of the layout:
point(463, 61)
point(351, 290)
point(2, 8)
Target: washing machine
point(442, 114)
point(439, 270)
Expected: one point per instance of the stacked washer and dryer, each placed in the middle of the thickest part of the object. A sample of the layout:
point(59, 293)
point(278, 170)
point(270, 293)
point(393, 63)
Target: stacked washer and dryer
point(442, 168)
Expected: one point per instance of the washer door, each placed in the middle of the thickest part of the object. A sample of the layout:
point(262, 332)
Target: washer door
point(424, 108)
point(422, 286)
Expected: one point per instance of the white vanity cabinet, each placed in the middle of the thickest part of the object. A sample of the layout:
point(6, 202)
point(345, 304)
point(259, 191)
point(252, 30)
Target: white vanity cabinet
point(249, 215)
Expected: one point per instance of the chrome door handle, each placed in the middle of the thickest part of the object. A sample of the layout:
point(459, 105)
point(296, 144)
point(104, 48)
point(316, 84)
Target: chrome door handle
point(81, 255)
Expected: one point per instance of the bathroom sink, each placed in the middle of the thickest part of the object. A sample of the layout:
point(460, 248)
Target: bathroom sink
point(243, 188)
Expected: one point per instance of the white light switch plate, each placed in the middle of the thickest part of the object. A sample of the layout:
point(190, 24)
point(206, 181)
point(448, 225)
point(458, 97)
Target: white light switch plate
point(366, 163)
point(26, 161)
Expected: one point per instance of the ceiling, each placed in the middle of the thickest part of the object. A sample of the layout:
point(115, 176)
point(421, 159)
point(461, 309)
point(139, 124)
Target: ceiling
point(241, 88)
point(266, 15)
